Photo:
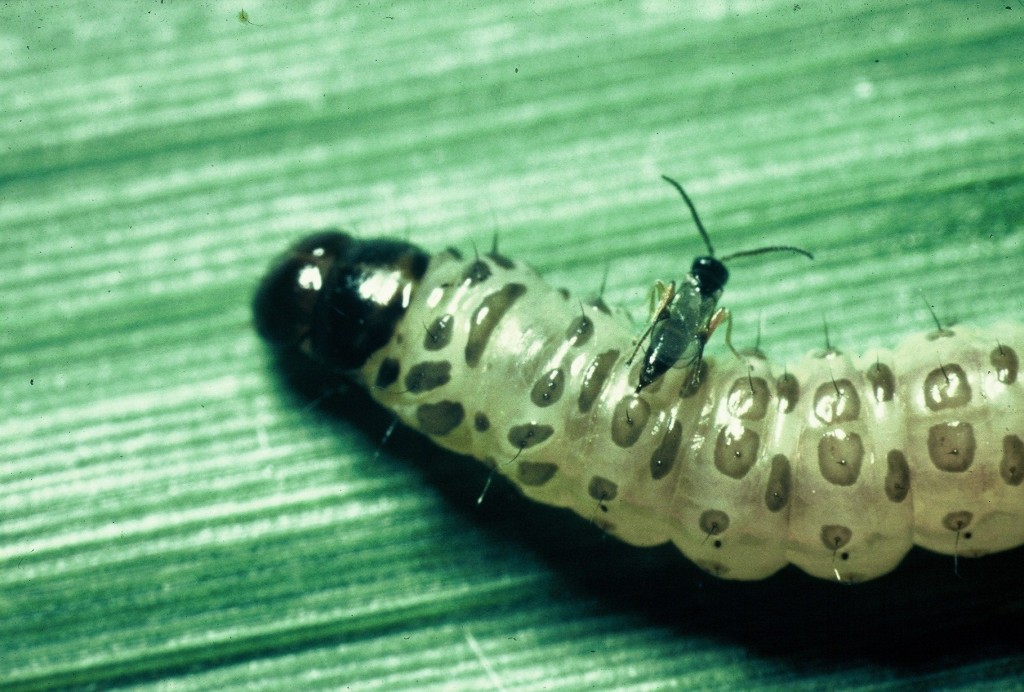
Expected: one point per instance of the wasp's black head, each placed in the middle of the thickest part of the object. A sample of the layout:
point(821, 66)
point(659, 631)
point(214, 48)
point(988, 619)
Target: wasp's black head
point(336, 298)
point(710, 274)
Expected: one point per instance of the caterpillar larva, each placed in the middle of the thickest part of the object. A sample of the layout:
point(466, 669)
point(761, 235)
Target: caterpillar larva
point(837, 464)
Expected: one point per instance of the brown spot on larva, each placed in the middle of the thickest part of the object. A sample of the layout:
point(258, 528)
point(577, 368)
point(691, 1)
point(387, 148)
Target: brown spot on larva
point(957, 521)
point(486, 317)
point(776, 494)
point(946, 387)
point(754, 353)
point(836, 402)
point(387, 373)
point(454, 252)
point(835, 536)
point(715, 569)
point(481, 423)
point(882, 381)
point(897, 476)
point(692, 383)
point(629, 419)
point(423, 377)
point(664, 456)
point(500, 260)
point(600, 305)
point(549, 388)
point(951, 446)
point(476, 272)
point(713, 522)
point(528, 435)
point(940, 334)
point(1011, 466)
point(564, 292)
point(748, 398)
point(840, 455)
point(439, 333)
point(594, 378)
point(1006, 363)
point(580, 330)
point(534, 473)
point(440, 418)
point(602, 489)
point(787, 389)
point(736, 450)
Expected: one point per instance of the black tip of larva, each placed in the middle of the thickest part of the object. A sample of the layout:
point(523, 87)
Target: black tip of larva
point(335, 298)
point(286, 298)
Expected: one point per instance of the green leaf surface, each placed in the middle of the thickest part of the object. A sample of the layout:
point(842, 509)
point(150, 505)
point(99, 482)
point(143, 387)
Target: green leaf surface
point(175, 514)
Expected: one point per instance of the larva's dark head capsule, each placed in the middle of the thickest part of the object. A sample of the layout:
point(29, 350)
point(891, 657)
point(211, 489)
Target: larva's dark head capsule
point(710, 274)
point(337, 299)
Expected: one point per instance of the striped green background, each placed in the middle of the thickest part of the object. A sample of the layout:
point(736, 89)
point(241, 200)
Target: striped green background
point(173, 516)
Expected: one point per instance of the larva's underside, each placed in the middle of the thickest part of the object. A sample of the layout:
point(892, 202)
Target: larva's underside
point(836, 464)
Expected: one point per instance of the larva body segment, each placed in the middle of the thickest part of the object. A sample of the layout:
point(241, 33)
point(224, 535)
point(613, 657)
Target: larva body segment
point(838, 464)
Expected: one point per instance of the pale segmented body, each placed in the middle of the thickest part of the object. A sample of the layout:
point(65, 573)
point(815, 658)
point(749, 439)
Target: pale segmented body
point(838, 465)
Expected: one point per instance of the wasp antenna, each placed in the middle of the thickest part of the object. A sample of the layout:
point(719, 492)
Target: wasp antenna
point(693, 213)
point(766, 250)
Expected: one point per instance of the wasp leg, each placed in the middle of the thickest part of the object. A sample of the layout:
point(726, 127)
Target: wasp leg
point(665, 295)
point(722, 315)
